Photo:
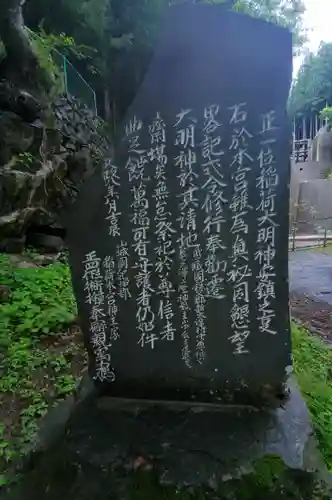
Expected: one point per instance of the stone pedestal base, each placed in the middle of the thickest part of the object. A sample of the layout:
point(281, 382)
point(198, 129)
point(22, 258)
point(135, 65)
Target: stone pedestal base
point(120, 449)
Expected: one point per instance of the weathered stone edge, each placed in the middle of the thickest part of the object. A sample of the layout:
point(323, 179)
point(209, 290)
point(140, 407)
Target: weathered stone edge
point(54, 423)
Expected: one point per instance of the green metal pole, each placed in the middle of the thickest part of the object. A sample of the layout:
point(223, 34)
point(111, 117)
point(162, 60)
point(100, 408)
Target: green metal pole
point(65, 74)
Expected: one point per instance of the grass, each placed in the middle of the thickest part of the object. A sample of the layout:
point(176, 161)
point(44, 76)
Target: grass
point(41, 357)
point(313, 368)
point(327, 248)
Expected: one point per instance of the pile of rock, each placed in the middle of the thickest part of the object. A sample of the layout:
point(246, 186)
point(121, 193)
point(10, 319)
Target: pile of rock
point(42, 165)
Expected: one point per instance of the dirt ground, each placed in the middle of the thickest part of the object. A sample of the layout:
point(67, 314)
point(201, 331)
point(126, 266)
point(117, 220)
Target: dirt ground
point(315, 315)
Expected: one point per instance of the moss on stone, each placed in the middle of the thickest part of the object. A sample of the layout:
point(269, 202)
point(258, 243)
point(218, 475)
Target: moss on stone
point(269, 479)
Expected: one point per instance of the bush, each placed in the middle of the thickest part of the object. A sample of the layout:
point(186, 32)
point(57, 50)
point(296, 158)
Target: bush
point(36, 351)
point(41, 300)
point(313, 367)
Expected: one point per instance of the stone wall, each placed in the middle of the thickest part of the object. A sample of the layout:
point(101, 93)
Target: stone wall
point(310, 196)
point(315, 206)
point(300, 207)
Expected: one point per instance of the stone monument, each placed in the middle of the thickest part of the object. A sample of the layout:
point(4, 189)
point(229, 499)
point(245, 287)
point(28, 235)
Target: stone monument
point(179, 243)
point(321, 149)
point(179, 258)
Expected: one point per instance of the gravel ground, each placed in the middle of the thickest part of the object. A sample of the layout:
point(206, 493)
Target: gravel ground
point(310, 283)
point(310, 273)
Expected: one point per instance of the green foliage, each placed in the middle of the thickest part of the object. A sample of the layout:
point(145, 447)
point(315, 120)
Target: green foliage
point(328, 173)
point(26, 160)
point(287, 14)
point(313, 367)
point(35, 358)
point(326, 114)
point(42, 301)
point(51, 50)
point(36, 368)
point(269, 479)
point(121, 35)
point(312, 88)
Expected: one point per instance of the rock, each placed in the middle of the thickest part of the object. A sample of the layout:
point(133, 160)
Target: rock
point(12, 244)
point(22, 262)
point(4, 293)
point(42, 165)
point(47, 242)
point(25, 264)
point(46, 260)
point(321, 150)
point(16, 137)
point(20, 102)
point(33, 260)
point(156, 449)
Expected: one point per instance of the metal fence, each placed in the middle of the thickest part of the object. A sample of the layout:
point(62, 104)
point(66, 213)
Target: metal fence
point(73, 83)
point(301, 150)
point(320, 236)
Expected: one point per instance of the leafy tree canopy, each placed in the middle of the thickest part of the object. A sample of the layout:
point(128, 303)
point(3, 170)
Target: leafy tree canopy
point(120, 35)
point(312, 88)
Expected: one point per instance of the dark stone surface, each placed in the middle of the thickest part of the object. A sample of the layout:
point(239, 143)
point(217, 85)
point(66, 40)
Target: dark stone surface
point(47, 242)
point(13, 245)
point(108, 440)
point(55, 421)
point(219, 356)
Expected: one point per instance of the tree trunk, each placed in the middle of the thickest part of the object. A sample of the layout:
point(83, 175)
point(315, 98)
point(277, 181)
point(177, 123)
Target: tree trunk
point(20, 67)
